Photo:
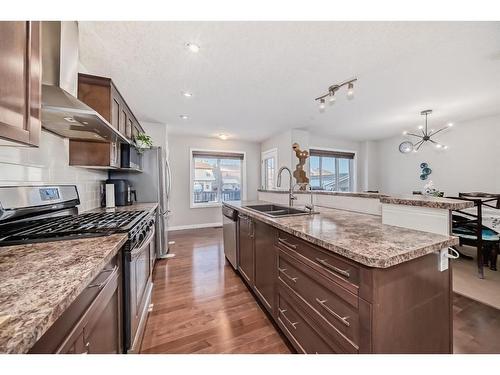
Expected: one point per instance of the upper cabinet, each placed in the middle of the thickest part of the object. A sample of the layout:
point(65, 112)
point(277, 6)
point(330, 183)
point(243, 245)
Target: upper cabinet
point(101, 94)
point(20, 90)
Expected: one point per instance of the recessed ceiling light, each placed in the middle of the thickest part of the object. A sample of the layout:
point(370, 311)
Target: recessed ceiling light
point(184, 117)
point(222, 136)
point(187, 94)
point(193, 47)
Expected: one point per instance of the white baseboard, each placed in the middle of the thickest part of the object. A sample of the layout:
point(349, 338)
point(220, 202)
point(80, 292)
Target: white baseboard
point(194, 226)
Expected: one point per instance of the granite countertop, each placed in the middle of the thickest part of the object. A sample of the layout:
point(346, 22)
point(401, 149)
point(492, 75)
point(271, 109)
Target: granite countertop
point(426, 201)
point(150, 207)
point(410, 200)
point(326, 192)
point(359, 237)
point(39, 282)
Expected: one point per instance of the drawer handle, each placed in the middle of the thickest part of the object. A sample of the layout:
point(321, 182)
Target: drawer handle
point(333, 268)
point(342, 319)
point(286, 243)
point(100, 285)
point(293, 324)
point(283, 271)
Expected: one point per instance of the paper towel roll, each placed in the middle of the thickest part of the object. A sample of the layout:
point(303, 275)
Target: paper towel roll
point(110, 195)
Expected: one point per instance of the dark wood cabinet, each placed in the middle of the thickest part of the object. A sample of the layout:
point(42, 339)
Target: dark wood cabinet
point(265, 264)
point(93, 322)
point(101, 94)
point(246, 248)
point(326, 303)
point(20, 90)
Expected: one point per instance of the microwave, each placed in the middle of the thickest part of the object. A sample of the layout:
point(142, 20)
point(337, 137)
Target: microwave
point(130, 157)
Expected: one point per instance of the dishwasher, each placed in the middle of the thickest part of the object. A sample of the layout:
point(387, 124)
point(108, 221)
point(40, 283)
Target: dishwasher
point(230, 231)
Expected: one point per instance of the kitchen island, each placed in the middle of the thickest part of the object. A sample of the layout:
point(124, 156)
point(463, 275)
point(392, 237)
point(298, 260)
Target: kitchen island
point(343, 282)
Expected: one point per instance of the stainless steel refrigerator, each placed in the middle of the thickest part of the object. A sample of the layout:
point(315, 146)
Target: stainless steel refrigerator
point(153, 185)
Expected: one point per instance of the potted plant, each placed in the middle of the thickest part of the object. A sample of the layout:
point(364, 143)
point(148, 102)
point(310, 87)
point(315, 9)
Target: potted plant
point(142, 141)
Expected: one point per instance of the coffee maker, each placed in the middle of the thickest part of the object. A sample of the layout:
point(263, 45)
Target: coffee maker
point(123, 192)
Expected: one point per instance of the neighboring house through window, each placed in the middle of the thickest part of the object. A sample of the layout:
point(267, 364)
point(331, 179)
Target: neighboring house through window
point(216, 176)
point(331, 170)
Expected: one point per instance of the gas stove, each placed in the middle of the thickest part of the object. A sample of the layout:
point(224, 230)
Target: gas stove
point(25, 216)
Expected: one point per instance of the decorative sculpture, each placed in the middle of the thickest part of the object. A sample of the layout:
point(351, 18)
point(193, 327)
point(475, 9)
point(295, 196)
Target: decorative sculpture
point(299, 173)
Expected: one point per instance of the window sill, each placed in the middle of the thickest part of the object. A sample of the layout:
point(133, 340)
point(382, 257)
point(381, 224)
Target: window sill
point(205, 205)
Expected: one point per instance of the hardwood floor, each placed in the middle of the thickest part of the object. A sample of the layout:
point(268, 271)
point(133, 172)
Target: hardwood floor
point(202, 306)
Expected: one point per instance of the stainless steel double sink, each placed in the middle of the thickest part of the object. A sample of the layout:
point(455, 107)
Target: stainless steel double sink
point(275, 210)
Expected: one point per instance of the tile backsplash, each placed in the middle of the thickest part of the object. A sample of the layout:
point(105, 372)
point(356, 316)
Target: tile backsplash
point(49, 164)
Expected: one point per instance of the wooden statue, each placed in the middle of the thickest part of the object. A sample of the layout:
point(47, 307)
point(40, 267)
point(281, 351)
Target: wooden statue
point(299, 173)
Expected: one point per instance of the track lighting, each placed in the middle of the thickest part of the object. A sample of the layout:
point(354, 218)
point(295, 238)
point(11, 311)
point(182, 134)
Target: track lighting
point(333, 89)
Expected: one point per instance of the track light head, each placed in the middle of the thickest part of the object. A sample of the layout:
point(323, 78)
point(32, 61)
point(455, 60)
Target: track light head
point(350, 90)
point(322, 104)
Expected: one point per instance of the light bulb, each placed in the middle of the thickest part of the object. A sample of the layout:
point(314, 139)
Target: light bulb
point(445, 148)
point(193, 47)
point(350, 91)
point(187, 94)
point(450, 124)
point(184, 117)
point(331, 99)
point(438, 145)
point(420, 127)
point(321, 104)
point(223, 136)
point(405, 132)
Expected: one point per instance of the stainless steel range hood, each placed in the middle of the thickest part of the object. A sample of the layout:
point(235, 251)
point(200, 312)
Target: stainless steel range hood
point(62, 112)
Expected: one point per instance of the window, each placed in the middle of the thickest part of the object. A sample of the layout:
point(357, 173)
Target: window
point(269, 162)
point(331, 170)
point(215, 177)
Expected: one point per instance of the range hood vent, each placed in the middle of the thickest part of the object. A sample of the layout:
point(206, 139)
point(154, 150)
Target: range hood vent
point(62, 112)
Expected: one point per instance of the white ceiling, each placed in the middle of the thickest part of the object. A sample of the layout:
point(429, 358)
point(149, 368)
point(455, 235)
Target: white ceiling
point(253, 79)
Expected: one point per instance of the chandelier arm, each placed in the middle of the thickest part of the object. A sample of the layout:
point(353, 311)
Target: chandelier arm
point(430, 140)
point(415, 135)
point(440, 130)
point(419, 143)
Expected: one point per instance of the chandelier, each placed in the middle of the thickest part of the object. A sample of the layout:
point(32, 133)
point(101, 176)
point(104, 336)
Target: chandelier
point(426, 136)
point(330, 95)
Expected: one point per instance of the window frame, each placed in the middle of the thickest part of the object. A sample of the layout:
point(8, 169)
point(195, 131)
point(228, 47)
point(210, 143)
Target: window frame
point(271, 153)
point(353, 170)
point(191, 176)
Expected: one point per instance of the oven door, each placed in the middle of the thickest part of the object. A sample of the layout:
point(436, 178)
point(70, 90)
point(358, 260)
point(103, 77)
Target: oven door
point(138, 291)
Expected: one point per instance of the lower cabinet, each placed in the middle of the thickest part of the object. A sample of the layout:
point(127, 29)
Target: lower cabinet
point(93, 322)
point(326, 303)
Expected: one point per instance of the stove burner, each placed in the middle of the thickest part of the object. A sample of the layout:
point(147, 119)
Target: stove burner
point(66, 227)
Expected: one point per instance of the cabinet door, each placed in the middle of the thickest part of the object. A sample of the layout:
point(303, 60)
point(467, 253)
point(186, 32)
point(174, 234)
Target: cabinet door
point(74, 345)
point(246, 242)
point(129, 125)
point(20, 90)
point(102, 333)
point(115, 113)
point(265, 264)
point(123, 119)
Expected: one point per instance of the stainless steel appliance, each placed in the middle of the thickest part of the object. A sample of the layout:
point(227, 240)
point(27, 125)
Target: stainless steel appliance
point(30, 214)
point(230, 226)
point(130, 157)
point(62, 112)
point(153, 185)
point(123, 192)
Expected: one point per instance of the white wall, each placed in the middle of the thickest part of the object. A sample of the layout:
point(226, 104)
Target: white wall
point(472, 162)
point(182, 215)
point(283, 143)
point(49, 164)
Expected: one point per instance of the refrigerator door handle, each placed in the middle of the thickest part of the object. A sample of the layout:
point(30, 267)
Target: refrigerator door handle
point(169, 177)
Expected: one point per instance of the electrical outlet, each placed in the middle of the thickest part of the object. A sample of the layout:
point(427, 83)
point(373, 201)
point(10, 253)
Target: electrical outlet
point(443, 260)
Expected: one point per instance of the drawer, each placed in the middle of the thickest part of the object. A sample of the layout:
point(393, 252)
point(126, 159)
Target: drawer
point(334, 267)
point(303, 335)
point(335, 308)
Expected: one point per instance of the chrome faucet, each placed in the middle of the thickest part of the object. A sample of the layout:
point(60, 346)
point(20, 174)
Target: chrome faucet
point(310, 206)
point(291, 197)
